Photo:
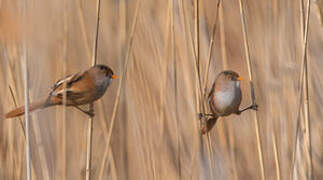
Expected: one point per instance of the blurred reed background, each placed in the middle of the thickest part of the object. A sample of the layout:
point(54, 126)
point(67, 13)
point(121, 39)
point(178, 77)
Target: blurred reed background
point(155, 133)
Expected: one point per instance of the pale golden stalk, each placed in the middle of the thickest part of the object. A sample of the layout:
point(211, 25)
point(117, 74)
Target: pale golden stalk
point(122, 77)
point(90, 123)
point(245, 40)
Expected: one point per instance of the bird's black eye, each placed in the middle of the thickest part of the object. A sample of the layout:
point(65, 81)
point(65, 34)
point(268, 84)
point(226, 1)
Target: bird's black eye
point(102, 68)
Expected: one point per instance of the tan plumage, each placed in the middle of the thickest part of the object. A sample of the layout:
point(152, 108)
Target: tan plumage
point(80, 88)
point(224, 98)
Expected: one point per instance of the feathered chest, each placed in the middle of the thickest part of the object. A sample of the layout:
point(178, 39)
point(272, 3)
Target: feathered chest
point(226, 101)
point(102, 85)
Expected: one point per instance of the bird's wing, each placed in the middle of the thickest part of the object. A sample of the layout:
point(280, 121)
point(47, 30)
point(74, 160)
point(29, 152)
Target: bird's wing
point(211, 93)
point(59, 89)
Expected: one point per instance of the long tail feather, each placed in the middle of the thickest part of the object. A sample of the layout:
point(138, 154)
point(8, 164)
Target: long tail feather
point(42, 103)
point(209, 125)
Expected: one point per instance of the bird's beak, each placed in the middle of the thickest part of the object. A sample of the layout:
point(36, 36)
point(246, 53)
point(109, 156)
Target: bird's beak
point(239, 78)
point(114, 76)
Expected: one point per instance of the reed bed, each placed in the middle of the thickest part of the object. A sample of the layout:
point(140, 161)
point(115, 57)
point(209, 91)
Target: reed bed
point(166, 55)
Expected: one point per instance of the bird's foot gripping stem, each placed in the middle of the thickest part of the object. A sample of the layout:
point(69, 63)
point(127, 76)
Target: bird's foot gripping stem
point(201, 115)
point(89, 112)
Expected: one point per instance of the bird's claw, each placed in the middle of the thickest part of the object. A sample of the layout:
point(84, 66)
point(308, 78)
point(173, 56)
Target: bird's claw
point(91, 114)
point(200, 115)
point(254, 107)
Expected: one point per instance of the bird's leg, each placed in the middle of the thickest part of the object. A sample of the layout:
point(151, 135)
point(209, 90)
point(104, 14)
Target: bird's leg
point(252, 106)
point(203, 115)
point(90, 112)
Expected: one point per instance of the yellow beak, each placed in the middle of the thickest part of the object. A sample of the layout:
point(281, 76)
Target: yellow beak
point(239, 78)
point(114, 76)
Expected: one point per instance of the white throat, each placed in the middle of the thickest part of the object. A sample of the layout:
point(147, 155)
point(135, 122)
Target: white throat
point(237, 84)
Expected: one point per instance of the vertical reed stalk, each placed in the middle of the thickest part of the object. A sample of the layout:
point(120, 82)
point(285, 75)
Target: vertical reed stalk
point(11, 131)
point(83, 30)
point(198, 90)
point(260, 152)
point(21, 125)
point(12, 81)
point(191, 45)
point(188, 36)
point(197, 33)
point(304, 87)
point(112, 162)
point(89, 146)
point(222, 37)
point(198, 68)
point(90, 123)
point(206, 73)
point(61, 152)
point(63, 130)
point(278, 176)
point(15, 103)
point(81, 18)
point(165, 69)
point(199, 82)
point(228, 128)
point(122, 77)
point(106, 153)
point(24, 58)
point(178, 132)
point(307, 123)
point(26, 94)
point(306, 97)
point(300, 83)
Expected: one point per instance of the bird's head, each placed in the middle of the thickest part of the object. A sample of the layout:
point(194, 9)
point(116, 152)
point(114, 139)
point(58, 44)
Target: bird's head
point(230, 77)
point(106, 71)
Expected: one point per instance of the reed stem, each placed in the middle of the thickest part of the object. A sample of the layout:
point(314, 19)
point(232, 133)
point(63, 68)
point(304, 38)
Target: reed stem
point(246, 45)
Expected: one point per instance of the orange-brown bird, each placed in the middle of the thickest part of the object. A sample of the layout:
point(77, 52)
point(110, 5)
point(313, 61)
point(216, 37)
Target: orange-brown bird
point(224, 98)
point(80, 88)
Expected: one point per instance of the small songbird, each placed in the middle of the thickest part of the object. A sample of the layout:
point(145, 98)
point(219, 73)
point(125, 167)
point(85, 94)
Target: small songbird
point(80, 88)
point(224, 98)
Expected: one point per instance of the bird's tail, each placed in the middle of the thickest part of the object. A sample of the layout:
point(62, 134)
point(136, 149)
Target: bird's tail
point(209, 125)
point(42, 103)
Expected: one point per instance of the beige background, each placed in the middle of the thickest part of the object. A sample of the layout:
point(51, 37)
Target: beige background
point(155, 134)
